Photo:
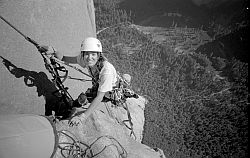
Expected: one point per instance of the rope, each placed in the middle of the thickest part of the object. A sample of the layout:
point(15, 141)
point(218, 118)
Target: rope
point(79, 79)
point(125, 106)
point(53, 67)
point(74, 67)
point(13, 26)
point(76, 148)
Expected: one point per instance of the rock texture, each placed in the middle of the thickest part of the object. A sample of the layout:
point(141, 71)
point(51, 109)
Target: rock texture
point(62, 24)
point(103, 135)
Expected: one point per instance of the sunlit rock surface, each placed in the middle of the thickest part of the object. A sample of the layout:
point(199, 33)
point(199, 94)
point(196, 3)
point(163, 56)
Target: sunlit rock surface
point(105, 136)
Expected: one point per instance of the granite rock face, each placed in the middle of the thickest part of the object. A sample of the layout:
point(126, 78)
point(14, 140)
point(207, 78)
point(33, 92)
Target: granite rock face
point(103, 134)
point(62, 24)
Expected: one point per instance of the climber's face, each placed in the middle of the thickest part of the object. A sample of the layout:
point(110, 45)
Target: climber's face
point(91, 58)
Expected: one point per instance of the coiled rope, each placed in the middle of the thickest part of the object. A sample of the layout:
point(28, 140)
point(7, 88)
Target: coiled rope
point(79, 149)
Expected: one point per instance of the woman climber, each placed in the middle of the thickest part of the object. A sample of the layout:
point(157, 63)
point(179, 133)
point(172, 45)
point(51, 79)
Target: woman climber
point(104, 77)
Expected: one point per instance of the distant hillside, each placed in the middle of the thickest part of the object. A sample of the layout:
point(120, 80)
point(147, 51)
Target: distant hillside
point(153, 13)
point(156, 12)
point(192, 110)
point(181, 39)
point(232, 45)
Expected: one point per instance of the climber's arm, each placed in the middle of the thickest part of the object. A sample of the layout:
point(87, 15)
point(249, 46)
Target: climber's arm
point(75, 120)
point(94, 104)
point(105, 85)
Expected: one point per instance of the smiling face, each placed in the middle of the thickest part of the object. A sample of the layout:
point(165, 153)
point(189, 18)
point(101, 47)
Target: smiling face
point(90, 58)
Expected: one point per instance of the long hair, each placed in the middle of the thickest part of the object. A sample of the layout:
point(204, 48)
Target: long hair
point(100, 61)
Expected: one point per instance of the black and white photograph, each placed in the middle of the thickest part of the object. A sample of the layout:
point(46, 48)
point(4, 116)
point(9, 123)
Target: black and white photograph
point(124, 78)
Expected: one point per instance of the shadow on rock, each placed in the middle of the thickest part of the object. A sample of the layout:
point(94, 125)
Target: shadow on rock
point(45, 88)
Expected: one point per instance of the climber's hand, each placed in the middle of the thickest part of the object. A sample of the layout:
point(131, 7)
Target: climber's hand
point(76, 120)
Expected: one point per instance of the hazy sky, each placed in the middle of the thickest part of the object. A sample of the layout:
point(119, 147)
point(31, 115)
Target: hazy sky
point(200, 2)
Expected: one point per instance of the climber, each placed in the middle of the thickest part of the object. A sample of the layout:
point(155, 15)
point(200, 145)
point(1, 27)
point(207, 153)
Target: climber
point(104, 77)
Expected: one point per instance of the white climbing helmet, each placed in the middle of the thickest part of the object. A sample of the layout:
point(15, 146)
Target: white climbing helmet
point(91, 44)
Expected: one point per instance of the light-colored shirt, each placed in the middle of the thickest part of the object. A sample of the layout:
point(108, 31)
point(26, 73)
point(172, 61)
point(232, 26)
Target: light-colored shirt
point(107, 77)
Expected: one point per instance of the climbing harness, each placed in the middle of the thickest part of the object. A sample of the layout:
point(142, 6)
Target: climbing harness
point(75, 148)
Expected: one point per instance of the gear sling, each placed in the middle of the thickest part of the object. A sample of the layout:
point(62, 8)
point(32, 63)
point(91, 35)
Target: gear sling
point(117, 96)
